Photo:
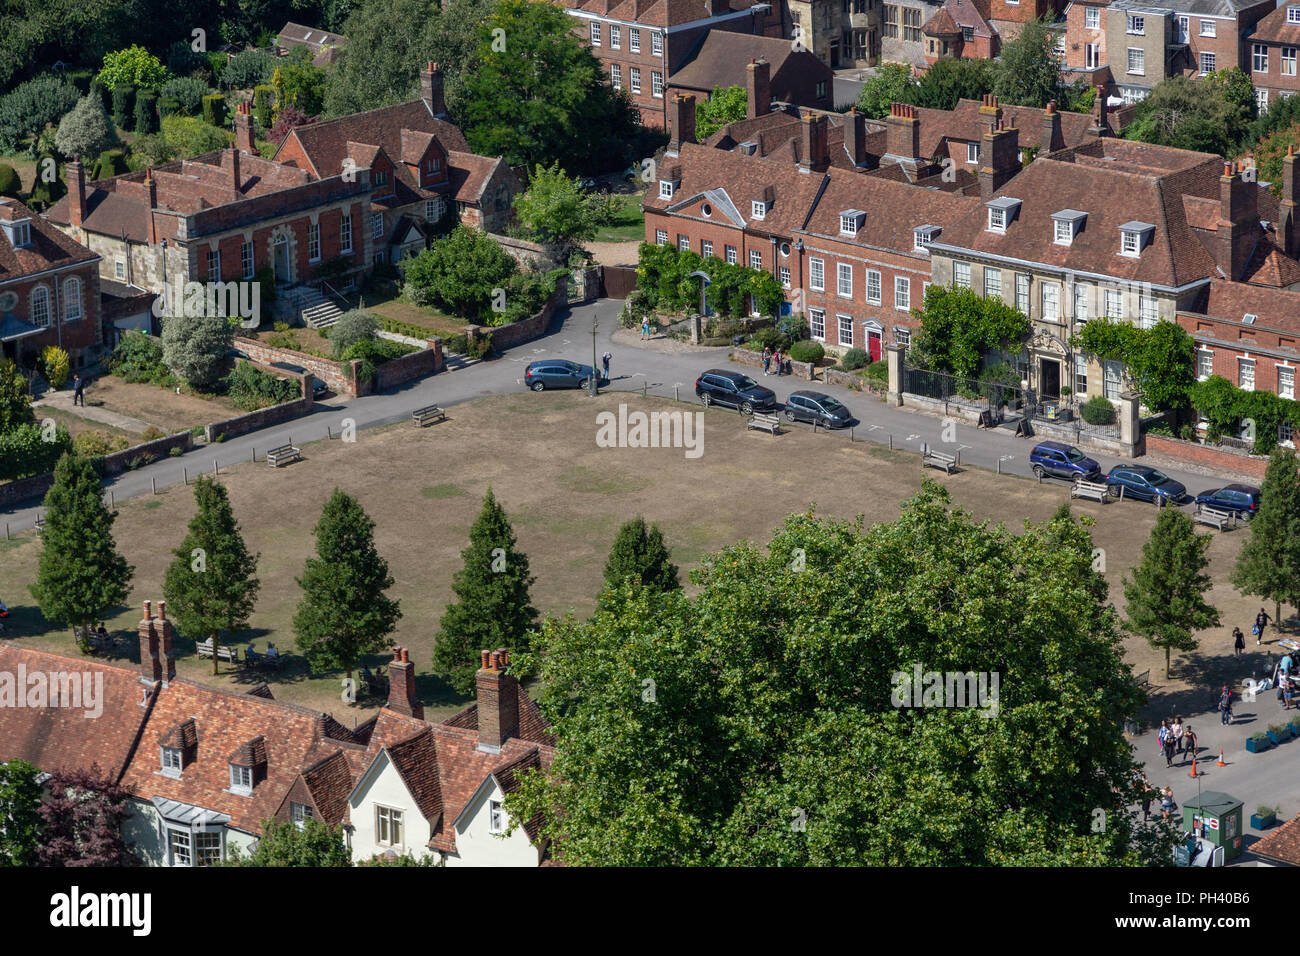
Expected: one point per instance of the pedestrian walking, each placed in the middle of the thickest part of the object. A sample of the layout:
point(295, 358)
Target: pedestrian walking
point(1147, 794)
point(776, 358)
point(1189, 746)
point(767, 359)
point(605, 360)
point(1161, 734)
point(1225, 705)
point(1177, 729)
point(1288, 694)
point(645, 327)
point(1167, 804)
point(1261, 622)
point(1238, 641)
point(79, 391)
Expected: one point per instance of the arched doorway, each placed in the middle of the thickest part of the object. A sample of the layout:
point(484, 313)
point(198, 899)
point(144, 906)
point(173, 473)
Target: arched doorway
point(281, 259)
point(873, 337)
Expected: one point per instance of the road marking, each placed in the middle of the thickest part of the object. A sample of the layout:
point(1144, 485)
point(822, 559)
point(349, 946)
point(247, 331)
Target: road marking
point(960, 447)
point(911, 438)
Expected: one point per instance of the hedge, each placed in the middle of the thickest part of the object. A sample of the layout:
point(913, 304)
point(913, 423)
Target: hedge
point(807, 351)
point(1098, 411)
point(124, 107)
point(10, 184)
point(146, 115)
point(405, 328)
point(214, 110)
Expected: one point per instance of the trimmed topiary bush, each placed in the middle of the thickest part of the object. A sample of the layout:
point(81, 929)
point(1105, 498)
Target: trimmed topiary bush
point(807, 351)
point(263, 99)
point(10, 184)
point(187, 91)
point(111, 163)
point(214, 109)
point(1098, 411)
point(855, 359)
point(124, 107)
point(146, 112)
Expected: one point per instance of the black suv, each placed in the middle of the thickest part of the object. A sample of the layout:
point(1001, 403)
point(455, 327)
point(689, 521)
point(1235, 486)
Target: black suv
point(734, 389)
point(1058, 460)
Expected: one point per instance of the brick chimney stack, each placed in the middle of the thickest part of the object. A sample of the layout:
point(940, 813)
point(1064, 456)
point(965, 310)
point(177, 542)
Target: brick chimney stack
point(814, 151)
point(991, 113)
point(1288, 230)
point(1100, 110)
point(244, 136)
point(401, 685)
point(151, 191)
point(855, 136)
point(1052, 138)
point(230, 163)
point(681, 122)
point(76, 193)
point(903, 132)
point(156, 635)
point(758, 83)
point(999, 159)
point(431, 90)
point(1238, 229)
point(498, 701)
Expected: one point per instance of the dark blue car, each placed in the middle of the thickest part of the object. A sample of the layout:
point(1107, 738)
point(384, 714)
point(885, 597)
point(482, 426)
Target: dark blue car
point(558, 373)
point(1056, 459)
point(1144, 483)
point(1241, 500)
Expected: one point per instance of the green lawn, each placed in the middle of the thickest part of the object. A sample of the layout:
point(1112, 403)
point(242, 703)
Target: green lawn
point(628, 224)
point(402, 311)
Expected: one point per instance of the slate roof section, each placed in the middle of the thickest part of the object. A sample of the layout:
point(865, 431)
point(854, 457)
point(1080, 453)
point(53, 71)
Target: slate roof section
point(49, 249)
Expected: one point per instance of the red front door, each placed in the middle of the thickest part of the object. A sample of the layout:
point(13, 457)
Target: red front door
point(873, 345)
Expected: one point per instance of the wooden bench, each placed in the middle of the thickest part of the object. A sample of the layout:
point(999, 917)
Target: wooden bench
point(1143, 679)
point(767, 423)
point(224, 652)
point(1095, 490)
point(938, 459)
point(1215, 518)
point(430, 413)
point(284, 453)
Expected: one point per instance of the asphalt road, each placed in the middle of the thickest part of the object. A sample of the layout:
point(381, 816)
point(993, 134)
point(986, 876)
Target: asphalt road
point(633, 369)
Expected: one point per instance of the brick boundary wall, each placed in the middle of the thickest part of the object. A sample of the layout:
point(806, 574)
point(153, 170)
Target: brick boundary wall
point(508, 336)
point(1222, 459)
point(328, 371)
point(427, 361)
point(113, 464)
point(265, 417)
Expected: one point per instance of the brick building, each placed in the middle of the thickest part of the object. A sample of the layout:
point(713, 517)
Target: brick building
point(720, 58)
point(641, 43)
point(1085, 43)
point(1272, 46)
point(961, 29)
point(49, 290)
point(324, 46)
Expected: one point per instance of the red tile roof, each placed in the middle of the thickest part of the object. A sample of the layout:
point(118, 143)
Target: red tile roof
point(941, 24)
point(49, 248)
point(1282, 845)
point(1275, 308)
point(965, 124)
point(1275, 28)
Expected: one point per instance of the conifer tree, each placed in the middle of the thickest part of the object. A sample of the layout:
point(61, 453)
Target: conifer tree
point(640, 553)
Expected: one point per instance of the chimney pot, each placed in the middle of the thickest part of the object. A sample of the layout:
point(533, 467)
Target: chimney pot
point(485, 659)
point(148, 607)
point(162, 610)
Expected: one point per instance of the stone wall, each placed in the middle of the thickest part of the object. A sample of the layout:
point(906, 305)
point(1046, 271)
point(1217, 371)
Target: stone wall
point(114, 464)
point(1230, 460)
point(530, 255)
point(333, 374)
point(850, 380)
point(265, 417)
point(804, 370)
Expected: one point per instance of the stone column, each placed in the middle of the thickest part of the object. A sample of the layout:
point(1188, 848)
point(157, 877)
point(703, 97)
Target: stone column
point(1130, 430)
point(894, 356)
point(697, 329)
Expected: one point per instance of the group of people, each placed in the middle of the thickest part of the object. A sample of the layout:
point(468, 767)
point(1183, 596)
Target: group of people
point(771, 356)
point(1167, 803)
point(1239, 639)
point(1175, 737)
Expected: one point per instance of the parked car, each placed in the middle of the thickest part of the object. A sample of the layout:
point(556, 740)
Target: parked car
point(559, 373)
point(806, 406)
point(1056, 459)
point(1144, 483)
point(734, 389)
point(1242, 500)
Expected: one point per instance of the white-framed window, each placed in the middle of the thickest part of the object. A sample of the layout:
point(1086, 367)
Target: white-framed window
point(1110, 383)
point(634, 39)
point(432, 213)
point(616, 76)
point(656, 43)
point(180, 847)
point(313, 242)
point(817, 324)
point(972, 153)
point(595, 33)
point(961, 275)
point(1148, 312)
point(656, 84)
point(1063, 232)
point(1207, 62)
point(634, 79)
point(187, 847)
point(1080, 374)
point(661, 237)
point(432, 166)
point(992, 283)
point(1092, 56)
point(1081, 302)
point(299, 814)
point(783, 276)
point(1136, 25)
point(873, 287)
point(1092, 18)
point(1261, 100)
point(1293, 14)
point(214, 265)
point(1259, 58)
point(1288, 61)
point(846, 330)
point(1137, 61)
point(1022, 292)
point(1285, 381)
point(615, 36)
point(1114, 304)
point(817, 275)
point(706, 247)
point(40, 307)
point(71, 300)
point(377, 225)
point(246, 257)
point(997, 220)
point(1184, 28)
point(848, 225)
point(1208, 28)
point(755, 259)
point(388, 826)
point(902, 293)
point(1246, 374)
point(1286, 434)
point(496, 817)
point(241, 779)
point(683, 243)
point(757, 209)
point(1204, 364)
point(844, 280)
point(730, 255)
point(1051, 301)
point(1129, 243)
point(903, 336)
point(170, 761)
point(119, 268)
point(665, 189)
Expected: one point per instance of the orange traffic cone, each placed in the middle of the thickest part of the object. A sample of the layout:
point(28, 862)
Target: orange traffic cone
point(1193, 770)
point(1221, 763)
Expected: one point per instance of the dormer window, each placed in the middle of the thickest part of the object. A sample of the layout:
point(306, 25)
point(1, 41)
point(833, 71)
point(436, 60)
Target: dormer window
point(1066, 225)
point(171, 761)
point(1249, 318)
point(432, 166)
point(381, 177)
point(923, 236)
point(241, 780)
point(1133, 238)
point(1001, 211)
point(18, 232)
point(758, 209)
point(1293, 14)
point(665, 189)
point(851, 221)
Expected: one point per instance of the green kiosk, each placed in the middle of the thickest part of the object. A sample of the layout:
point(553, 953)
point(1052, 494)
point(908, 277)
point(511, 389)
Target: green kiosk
point(1216, 818)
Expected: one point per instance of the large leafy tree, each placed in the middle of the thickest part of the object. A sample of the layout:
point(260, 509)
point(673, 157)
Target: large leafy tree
point(1268, 565)
point(381, 62)
point(641, 555)
point(86, 130)
point(195, 347)
point(20, 818)
point(1029, 71)
point(212, 584)
point(893, 83)
point(958, 327)
point(80, 575)
point(492, 607)
point(135, 67)
point(555, 209)
point(81, 820)
point(15, 397)
point(724, 105)
point(541, 96)
point(458, 274)
point(344, 612)
point(1208, 114)
point(284, 844)
point(952, 79)
point(756, 722)
point(1166, 591)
